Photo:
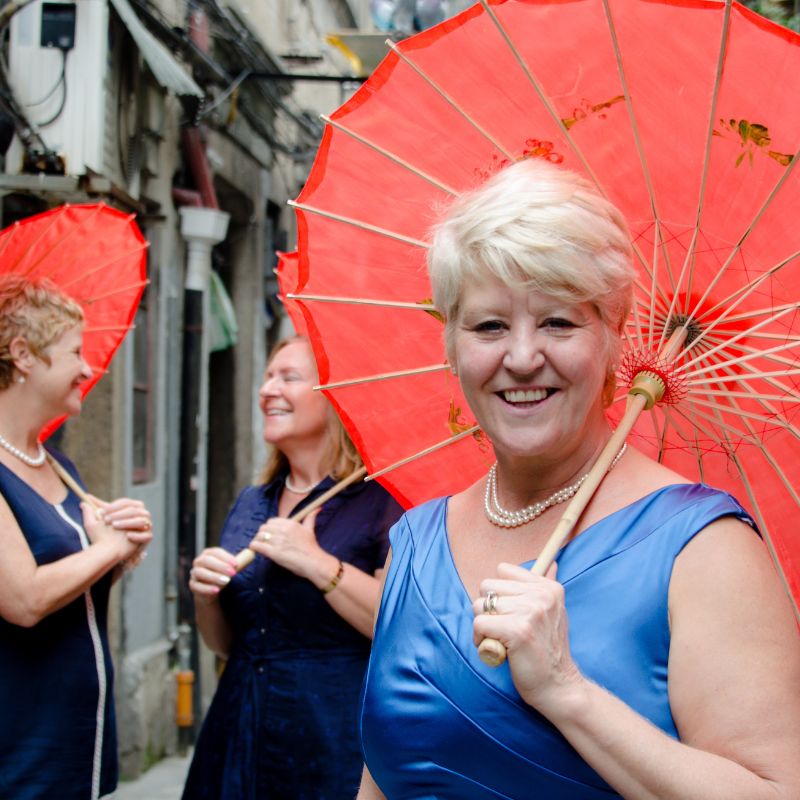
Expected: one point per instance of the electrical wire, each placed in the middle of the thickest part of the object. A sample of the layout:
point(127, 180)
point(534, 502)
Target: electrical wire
point(63, 81)
point(61, 78)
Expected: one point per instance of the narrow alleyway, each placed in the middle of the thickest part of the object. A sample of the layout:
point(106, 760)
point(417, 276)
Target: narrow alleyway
point(164, 781)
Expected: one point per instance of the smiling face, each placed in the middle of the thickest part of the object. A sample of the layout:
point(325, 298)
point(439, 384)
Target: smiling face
point(532, 368)
point(293, 412)
point(58, 382)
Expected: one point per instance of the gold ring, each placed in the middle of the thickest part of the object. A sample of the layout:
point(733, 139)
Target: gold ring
point(147, 525)
point(490, 602)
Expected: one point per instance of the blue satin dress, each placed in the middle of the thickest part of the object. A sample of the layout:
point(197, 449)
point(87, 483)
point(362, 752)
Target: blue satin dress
point(438, 723)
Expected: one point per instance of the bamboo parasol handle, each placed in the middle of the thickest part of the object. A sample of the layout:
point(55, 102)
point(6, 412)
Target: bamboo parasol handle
point(246, 556)
point(493, 652)
point(69, 481)
point(646, 390)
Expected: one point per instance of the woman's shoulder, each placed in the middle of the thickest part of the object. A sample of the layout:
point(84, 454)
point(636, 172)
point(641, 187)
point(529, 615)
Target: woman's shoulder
point(431, 511)
point(642, 475)
point(641, 496)
point(421, 522)
point(371, 492)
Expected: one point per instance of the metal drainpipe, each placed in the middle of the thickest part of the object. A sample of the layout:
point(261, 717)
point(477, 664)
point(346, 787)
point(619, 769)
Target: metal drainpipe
point(201, 228)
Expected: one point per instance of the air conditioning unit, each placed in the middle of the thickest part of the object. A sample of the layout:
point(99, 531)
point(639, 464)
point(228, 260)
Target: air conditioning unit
point(61, 89)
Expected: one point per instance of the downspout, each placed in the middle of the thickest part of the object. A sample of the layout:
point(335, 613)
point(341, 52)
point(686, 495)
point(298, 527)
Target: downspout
point(201, 229)
point(194, 151)
point(186, 197)
point(202, 226)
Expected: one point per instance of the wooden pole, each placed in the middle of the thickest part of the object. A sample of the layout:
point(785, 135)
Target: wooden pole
point(67, 479)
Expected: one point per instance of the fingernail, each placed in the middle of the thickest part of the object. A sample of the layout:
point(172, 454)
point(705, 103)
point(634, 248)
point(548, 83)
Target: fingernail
point(224, 579)
point(231, 571)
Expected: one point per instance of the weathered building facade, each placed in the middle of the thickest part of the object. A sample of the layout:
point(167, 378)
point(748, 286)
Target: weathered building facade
point(186, 115)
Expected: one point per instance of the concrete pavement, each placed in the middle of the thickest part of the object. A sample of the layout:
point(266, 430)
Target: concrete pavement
point(163, 781)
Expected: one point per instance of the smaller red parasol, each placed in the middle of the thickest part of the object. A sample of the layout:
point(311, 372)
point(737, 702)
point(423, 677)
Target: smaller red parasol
point(96, 255)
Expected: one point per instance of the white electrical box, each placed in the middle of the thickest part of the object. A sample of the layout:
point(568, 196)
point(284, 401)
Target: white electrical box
point(39, 76)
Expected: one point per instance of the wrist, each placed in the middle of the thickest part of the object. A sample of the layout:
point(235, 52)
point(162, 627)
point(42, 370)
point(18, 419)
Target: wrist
point(329, 574)
point(113, 545)
point(567, 702)
point(205, 600)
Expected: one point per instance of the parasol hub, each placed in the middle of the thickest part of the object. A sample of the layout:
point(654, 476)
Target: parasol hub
point(680, 323)
point(640, 366)
point(649, 385)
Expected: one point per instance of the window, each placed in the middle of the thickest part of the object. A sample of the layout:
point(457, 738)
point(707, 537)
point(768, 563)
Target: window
point(144, 375)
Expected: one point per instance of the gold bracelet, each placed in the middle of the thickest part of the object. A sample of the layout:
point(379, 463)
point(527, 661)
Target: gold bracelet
point(334, 580)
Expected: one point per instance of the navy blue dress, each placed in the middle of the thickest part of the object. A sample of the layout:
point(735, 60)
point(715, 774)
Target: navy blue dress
point(57, 726)
point(438, 724)
point(283, 722)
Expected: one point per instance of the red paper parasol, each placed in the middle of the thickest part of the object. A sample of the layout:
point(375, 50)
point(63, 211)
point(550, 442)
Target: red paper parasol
point(287, 272)
point(96, 255)
point(684, 114)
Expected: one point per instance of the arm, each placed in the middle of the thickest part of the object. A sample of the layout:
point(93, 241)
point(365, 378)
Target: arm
point(211, 571)
point(733, 672)
point(30, 592)
point(294, 546)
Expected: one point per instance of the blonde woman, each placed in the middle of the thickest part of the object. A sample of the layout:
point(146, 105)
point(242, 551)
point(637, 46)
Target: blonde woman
point(295, 625)
point(660, 660)
point(57, 726)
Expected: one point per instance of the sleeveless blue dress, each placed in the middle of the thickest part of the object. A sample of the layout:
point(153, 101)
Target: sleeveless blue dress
point(283, 724)
point(57, 725)
point(438, 723)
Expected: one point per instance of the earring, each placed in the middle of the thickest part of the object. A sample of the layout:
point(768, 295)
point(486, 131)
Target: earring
point(21, 379)
point(454, 370)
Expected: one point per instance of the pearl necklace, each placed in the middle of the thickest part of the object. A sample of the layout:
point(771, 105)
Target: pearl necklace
point(503, 518)
point(31, 461)
point(297, 489)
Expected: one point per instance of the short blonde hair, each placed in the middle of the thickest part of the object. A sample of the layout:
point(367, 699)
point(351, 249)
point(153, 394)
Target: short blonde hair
point(341, 455)
point(37, 311)
point(536, 226)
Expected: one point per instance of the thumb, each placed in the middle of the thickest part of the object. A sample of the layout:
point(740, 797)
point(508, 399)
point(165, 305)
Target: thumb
point(96, 501)
point(90, 512)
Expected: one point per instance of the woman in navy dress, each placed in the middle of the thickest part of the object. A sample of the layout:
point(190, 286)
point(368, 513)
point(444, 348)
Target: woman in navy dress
point(295, 625)
point(658, 659)
point(57, 726)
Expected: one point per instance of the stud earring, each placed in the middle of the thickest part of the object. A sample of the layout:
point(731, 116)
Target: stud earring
point(21, 379)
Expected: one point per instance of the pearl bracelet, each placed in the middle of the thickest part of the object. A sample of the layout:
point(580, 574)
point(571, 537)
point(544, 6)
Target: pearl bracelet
point(334, 580)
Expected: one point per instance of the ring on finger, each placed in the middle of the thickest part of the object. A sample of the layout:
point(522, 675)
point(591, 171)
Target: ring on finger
point(490, 602)
point(147, 525)
point(266, 536)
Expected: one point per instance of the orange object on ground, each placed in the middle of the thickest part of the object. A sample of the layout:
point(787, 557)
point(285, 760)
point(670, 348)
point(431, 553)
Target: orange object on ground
point(184, 707)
